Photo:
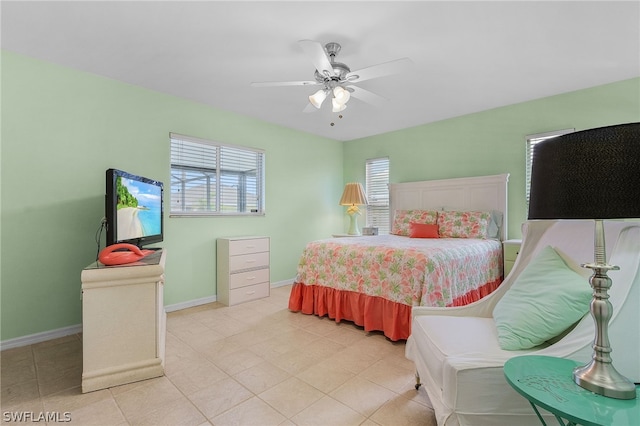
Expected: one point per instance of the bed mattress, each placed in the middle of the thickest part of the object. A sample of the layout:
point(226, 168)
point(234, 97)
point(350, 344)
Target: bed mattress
point(375, 280)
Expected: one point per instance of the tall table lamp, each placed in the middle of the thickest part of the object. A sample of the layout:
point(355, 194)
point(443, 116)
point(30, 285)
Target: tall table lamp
point(593, 174)
point(353, 196)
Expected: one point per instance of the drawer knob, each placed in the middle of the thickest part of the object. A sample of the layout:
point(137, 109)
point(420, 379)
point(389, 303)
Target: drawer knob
point(251, 278)
point(250, 292)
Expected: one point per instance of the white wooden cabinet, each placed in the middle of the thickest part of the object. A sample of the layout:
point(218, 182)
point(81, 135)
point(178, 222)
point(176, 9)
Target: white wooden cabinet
point(510, 250)
point(123, 322)
point(242, 269)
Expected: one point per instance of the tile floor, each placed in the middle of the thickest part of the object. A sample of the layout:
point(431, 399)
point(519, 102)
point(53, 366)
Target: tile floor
point(250, 364)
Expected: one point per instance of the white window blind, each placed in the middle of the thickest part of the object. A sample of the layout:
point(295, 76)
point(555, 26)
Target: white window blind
point(532, 140)
point(377, 184)
point(208, 178)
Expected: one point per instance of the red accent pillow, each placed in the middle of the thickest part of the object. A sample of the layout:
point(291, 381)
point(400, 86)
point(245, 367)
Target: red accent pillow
point(423, 230)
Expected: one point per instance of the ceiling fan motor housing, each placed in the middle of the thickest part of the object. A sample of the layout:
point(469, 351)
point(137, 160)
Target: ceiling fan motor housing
point(340, 70)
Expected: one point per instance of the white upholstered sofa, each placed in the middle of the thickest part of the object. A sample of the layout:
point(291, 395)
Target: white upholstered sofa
point(456, 351)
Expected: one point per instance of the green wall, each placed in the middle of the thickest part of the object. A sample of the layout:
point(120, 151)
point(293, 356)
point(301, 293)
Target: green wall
point(492, 142)
point(61, 129)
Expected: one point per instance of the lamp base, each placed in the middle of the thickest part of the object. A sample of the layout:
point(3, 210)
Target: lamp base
point(353, 225)
point(603, 379)
point(599, 376)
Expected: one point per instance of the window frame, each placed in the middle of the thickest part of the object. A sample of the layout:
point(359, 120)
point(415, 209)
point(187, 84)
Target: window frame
point(531, 141)
point(378, 201)
point(213, 171)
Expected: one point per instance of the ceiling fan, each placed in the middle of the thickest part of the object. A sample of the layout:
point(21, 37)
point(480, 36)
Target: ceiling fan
point(337, 79)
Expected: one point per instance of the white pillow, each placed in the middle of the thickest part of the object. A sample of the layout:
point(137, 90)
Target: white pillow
point(546, 299)
point(495, 224)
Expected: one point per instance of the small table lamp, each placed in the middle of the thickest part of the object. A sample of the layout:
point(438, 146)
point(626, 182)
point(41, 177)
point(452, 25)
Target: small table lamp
point(592, 174)
point(353, 196)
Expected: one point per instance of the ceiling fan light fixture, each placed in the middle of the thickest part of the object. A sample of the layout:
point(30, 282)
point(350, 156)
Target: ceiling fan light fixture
point(317, 98)
point(337, 106)
point(341, 95)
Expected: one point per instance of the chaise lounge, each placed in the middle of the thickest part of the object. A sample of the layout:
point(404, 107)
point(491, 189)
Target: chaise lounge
point(457, 352)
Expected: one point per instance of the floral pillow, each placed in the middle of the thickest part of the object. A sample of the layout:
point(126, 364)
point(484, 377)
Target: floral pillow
point(403, 218)
point(452, 224)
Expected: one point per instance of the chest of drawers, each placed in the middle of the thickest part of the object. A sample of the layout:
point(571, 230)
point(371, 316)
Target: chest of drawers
point(242, 269)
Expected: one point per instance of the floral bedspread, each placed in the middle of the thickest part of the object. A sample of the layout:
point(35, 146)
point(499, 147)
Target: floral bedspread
point(410, 271)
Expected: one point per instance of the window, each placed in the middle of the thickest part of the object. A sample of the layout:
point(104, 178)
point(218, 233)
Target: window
point(208, 178)
point(532, 140)
point(377, 183)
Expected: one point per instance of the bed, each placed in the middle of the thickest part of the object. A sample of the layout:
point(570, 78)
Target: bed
point(374, 281)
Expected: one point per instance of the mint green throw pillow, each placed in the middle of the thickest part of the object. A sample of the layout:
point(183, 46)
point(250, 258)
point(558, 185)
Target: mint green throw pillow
point(547, 298)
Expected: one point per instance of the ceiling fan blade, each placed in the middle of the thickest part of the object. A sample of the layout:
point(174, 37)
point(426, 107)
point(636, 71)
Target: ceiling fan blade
point(387, 68)
point(367, 96)
point(318, 56)
point(309, 108)
point(283, 83)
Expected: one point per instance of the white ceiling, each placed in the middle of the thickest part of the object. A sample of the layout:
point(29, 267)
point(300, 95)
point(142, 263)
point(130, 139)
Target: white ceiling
point(467, 56)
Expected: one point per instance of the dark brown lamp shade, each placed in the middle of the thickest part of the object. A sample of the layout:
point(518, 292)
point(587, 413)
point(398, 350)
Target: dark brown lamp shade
point(591, 174)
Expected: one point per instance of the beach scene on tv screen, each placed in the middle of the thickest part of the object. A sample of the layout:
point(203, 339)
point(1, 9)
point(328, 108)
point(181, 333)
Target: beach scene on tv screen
point(139, 209)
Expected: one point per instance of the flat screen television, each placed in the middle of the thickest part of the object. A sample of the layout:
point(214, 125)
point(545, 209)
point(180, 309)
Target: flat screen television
point(133, 209)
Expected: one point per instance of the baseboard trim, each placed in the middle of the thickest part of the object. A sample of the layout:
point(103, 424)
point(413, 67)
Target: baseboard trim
point(40, 337)
point(75, 329)
point(190, 304)
point(282, 283)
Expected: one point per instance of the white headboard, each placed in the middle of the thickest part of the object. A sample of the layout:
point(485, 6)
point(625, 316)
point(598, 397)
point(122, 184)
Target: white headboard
point(483, 193)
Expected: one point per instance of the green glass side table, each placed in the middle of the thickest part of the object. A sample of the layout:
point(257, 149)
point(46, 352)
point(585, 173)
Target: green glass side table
point(547, 382)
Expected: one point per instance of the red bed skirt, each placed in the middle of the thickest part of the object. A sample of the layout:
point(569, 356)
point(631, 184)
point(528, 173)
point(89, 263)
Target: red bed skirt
point(370, 312)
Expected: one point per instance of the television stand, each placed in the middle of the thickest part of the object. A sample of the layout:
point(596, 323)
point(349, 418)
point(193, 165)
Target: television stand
point(123, 322)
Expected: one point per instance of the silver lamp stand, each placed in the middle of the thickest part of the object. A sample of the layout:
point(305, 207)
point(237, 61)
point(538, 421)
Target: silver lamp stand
point(599, 375)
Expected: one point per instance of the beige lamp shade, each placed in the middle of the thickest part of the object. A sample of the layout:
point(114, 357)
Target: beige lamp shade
point(353, 195)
